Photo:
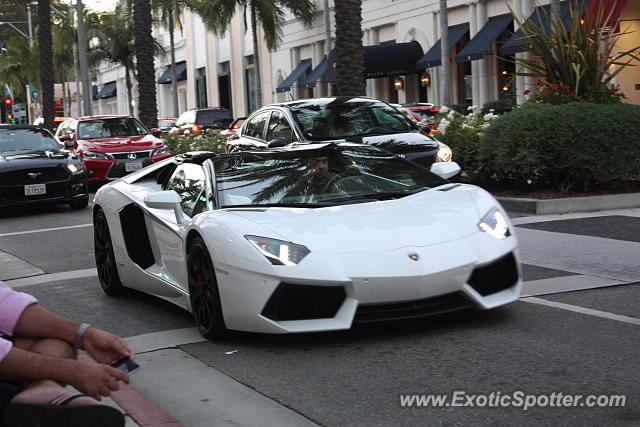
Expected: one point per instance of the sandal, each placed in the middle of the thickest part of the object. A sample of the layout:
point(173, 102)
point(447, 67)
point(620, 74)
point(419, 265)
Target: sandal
point(58, 414)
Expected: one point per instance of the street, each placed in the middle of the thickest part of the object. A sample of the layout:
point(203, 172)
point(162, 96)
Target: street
point(575, 331)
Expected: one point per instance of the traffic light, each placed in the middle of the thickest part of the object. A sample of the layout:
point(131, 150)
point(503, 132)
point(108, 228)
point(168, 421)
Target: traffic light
point(8, 102)
point(6, 111)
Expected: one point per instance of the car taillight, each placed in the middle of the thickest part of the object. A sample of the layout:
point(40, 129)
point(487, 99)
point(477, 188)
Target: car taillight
point(195, 128)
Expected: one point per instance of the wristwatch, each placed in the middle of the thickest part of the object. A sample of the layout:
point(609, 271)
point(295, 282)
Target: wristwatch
point(78, 345)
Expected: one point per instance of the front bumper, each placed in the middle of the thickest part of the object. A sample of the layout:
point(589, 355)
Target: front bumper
point(101, 170)
point(375, 285)
point(57, 192)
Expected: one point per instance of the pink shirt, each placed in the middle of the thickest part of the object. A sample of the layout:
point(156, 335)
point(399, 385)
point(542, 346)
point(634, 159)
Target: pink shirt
point(12, 304)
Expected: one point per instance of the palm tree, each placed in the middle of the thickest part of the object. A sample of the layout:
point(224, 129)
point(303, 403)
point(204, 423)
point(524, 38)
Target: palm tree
point(444, 49)
point(269, 14)
point(169, 12)
point(64, 36)
point(146, 75)
point(19, 64)
point(46, 61)
point(115, 44)
point(349, 50)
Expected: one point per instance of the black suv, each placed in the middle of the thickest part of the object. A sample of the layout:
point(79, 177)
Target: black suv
point(196, 121)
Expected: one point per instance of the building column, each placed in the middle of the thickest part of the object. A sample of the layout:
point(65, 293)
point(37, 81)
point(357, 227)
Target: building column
point(236, 67)
point(318, 54)
point(369, 82)
point(190, 58)
point(528, 82)
point(434, 94)
point(475, 77)
point(374, 39)
point(295, 60)
point(211, 45)
point(517, 9)
point(484, 66)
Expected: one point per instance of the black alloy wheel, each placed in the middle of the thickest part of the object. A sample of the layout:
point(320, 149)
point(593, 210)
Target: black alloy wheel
point(105, 258)
point(203, 291)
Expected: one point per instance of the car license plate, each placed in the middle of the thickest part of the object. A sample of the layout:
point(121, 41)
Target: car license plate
point(35, 189)
point(132, 166)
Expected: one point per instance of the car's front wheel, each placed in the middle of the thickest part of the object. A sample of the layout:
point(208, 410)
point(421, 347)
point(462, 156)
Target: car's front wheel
point(105, 258)
point(203, 291)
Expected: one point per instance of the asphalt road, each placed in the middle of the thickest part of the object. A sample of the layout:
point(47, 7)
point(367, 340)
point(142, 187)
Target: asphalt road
point(357, 377)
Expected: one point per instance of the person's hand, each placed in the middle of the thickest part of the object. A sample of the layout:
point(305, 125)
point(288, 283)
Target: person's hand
point(105, 347)
point(95, 379)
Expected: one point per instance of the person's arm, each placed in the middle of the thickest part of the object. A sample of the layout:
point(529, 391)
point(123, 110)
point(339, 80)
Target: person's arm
point(90, 378)
point(38, 322)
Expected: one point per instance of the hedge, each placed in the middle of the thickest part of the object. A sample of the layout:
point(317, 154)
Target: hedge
point(569, 147)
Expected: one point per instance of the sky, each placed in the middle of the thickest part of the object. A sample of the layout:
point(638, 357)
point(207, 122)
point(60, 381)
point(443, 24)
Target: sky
point(97, 5)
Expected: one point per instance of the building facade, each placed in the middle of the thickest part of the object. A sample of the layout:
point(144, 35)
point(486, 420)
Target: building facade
point(402, 58)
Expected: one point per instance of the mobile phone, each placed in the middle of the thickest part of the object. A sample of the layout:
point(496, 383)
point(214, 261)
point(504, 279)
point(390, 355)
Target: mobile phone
point(126, 365)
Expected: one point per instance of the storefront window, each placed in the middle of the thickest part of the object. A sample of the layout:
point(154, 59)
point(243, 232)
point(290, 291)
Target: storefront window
point(201, 87)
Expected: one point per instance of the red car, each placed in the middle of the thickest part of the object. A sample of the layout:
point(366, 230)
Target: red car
point(112, 146)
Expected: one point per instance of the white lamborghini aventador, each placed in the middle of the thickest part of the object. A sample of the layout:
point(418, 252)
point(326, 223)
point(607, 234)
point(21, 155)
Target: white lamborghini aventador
point(313, 238)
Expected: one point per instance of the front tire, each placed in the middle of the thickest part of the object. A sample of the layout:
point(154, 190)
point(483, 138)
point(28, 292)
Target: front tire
point(105, 258)
point(203, 291)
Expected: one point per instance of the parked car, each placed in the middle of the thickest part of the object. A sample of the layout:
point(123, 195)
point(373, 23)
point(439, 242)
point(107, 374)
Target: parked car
point(424, 112)
point(56, 122)
point(355, 119)
point(317, 237)
point(166, 124)
point(233, 127)
point(34, 169)
point(196, 121)
point(112, 146)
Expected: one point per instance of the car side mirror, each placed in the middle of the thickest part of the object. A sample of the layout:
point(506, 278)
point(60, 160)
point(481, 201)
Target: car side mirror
point(278, 143)
point(445, 170)
point(424, 128)
point(156, 132)
point(166, 200)
point(64, 138)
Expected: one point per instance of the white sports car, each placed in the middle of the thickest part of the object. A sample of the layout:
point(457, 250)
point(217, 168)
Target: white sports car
point(313, 238)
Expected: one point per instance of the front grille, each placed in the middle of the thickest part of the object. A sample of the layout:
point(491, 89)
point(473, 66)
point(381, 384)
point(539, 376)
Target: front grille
point(125, 155)
point(495, 277)
point(15, 193)
point(304, 302)
point(40, 176)
point(412, 309)
point(118, 170)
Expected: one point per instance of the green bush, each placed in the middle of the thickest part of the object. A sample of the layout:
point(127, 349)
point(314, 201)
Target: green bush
point(570, 146)
point(499, 107)
point(210, 140)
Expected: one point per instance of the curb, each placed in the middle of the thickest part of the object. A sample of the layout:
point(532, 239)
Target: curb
point(141, 410)
point(570, 204)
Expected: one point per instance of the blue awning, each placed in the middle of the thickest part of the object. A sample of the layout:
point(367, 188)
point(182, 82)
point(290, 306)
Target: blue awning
point(319, 72)
point(482, 41)
point(518, 42)
point(433, 58)
point(181, 73)
point(295, 75)
point(109, 90)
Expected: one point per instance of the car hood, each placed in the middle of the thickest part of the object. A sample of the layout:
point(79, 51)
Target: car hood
point(422, 219)
point(124, 143)
point(35, 159)
point(407, 142)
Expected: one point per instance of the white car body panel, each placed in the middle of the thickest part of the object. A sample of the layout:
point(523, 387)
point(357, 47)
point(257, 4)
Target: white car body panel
point(363, 247)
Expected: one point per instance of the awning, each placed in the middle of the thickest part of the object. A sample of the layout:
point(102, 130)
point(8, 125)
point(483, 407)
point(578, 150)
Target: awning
point(109, 90)
point(518, 42)
point(482, 41)
point(181, 73)
point(295, 75)
point(433, 58)
point(391, 59)
point(321, 72)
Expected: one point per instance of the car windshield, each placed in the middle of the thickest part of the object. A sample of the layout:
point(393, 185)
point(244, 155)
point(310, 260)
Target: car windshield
point(319, 176)
point(26, 140)
point(424, 114)
point(107, 128)
point(354, 117)
point(206, 117)
point(166, 123)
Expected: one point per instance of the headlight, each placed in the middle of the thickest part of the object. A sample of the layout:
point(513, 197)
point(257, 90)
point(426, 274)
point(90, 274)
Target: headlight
point(161, 150)
point(495, 224)
point(444, 153)
point(279, 252)
point(76, 169)
point(94, 155)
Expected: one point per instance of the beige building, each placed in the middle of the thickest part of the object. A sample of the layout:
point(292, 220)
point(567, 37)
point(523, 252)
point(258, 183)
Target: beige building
point(402, 58)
